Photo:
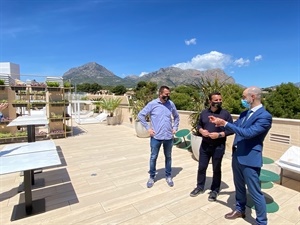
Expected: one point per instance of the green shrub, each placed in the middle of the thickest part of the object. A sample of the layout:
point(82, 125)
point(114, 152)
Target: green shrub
point(52, 84)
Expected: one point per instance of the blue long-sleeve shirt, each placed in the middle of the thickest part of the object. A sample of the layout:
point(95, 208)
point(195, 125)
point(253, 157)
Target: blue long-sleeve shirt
point(160, 118)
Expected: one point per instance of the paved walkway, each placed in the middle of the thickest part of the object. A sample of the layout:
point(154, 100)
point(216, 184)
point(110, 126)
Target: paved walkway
point(103, 181)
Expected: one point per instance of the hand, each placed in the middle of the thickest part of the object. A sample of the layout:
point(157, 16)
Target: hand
point(219, 122)
point(214, 135)
point(203, 132)
point(3, 106)
point(151, 132)
point(174, 131)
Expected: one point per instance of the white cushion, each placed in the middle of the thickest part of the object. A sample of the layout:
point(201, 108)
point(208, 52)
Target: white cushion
point(101, 117)
point(291, 157)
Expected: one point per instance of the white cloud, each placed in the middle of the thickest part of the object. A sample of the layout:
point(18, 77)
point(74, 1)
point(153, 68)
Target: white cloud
point(207, 61)
point(241, 62)
point(191, 41)
point(15, 31)
point(258, 58)
point(143, 73)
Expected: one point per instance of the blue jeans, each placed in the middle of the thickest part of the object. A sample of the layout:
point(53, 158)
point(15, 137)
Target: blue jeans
point(155, 146)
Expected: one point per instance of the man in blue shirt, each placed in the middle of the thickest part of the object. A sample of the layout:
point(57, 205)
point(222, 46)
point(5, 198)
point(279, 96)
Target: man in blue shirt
point(161, 130)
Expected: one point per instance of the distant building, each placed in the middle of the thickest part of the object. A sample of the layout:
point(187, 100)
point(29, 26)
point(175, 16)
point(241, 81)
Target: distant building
point(12, 69)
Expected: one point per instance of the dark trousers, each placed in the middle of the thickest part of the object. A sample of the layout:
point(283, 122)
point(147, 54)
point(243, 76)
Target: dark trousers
point(208, 151)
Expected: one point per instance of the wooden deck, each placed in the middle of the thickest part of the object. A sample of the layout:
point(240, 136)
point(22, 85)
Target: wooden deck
point(102, 180)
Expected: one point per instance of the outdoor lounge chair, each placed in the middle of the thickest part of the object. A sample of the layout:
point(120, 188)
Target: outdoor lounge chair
point(98, 119)
point(290, 160)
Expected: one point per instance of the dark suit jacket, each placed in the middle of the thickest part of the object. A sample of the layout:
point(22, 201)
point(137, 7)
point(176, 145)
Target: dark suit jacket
point(250, 136)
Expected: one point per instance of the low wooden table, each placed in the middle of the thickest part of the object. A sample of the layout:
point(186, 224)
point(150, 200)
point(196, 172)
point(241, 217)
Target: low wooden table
point(27, 157)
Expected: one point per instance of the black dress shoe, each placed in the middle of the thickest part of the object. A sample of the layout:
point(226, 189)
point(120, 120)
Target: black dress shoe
point(212, 196)
point(234, 214)
point(196, 192)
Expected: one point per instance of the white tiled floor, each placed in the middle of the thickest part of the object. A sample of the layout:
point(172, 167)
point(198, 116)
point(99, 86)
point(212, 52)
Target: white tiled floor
point(103, 181)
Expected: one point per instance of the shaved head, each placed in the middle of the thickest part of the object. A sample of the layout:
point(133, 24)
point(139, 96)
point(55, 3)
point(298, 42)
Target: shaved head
point(253, 90)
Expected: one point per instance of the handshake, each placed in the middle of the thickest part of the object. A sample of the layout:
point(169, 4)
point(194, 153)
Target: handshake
point(217, 121)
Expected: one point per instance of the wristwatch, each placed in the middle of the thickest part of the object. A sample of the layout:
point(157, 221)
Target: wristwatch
point(220, 135)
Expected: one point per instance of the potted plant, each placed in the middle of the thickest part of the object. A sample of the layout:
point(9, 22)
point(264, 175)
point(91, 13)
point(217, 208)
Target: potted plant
point(110, 105)
point(67, 86)
point(38, 104)
point(136, 107)
point(56, 117)
point(53, 86)
point(36, 86)
point(144, 93)
point(97, 103)
point(2, 85)
point(196, 139)
point(204, 86)
point(59, 103)
point(20, 103)
point(19, 87)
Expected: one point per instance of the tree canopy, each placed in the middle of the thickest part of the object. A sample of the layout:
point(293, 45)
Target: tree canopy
point(89, 88)
point(284, 102)
point(119, 90)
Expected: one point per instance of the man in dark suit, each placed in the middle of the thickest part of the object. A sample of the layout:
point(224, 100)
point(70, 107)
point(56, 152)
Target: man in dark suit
point(250, 131)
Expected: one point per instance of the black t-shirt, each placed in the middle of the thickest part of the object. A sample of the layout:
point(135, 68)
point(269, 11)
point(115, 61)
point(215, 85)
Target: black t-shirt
point(211, 127)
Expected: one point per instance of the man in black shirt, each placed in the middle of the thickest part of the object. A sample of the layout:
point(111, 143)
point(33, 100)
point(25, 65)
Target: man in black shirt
point(212, 146)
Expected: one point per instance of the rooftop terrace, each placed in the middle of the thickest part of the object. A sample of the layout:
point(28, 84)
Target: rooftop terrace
point(102, 180)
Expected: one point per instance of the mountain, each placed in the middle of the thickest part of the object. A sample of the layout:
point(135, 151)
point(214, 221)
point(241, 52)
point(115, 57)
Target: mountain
point(170, 76)
point(173, 76)
point(94, 73)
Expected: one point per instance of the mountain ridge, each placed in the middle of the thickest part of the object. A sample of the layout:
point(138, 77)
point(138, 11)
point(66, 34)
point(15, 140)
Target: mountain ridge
point(93, 72)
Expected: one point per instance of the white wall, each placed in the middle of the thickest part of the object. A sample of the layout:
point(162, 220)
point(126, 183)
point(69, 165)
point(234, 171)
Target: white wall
point(12, 69)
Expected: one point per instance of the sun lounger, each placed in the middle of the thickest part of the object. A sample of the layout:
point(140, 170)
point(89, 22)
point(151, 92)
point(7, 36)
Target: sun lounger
point(290, 160)
point(97, 119)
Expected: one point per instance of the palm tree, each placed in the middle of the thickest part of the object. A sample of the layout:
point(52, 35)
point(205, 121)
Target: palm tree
point(97, 103)
point(204, 87)
point(110, 105)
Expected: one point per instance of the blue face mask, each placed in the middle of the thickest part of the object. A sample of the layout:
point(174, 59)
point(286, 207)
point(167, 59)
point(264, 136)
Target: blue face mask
point(245, 103)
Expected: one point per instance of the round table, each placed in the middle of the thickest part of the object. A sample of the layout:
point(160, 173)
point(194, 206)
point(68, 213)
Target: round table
point(267, 176)
point(182, 134)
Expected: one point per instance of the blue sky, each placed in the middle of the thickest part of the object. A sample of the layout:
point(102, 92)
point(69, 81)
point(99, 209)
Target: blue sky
point(254, 41)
